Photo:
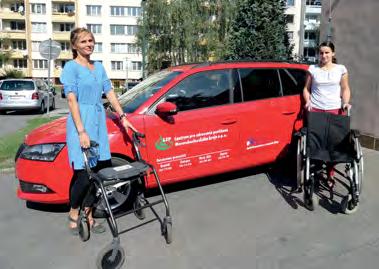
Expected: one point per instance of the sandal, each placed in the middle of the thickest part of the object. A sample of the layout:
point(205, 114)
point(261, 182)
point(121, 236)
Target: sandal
point(97, 228)
point(73, 230)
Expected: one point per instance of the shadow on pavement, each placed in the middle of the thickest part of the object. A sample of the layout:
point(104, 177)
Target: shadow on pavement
point(55, 208)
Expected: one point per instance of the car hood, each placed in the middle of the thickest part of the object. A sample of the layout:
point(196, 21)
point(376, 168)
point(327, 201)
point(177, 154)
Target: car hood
point(55, 131)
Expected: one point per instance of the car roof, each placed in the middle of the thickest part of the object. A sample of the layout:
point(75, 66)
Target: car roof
point(238, 64)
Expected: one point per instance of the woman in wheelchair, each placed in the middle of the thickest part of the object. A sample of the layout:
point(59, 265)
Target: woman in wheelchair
point(327, 139)
point(327, 89)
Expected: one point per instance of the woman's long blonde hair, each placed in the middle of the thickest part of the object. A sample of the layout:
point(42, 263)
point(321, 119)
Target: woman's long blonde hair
point(74, 35)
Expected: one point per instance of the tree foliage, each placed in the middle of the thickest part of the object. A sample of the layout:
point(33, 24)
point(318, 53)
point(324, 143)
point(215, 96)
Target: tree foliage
point(180, 31)
point(259, 31)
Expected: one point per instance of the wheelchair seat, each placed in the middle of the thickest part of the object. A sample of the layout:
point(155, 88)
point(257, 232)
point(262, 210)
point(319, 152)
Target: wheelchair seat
point(124, 172)
point(329, 138)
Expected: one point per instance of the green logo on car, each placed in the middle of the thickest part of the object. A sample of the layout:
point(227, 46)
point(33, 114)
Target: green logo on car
point(163, 143)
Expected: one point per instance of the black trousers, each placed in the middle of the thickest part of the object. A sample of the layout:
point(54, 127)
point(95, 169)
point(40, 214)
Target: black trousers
point(82, 192)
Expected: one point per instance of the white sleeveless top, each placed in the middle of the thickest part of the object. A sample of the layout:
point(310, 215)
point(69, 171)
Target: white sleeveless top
point(326, 88)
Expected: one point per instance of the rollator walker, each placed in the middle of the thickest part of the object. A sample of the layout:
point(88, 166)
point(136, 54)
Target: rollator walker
point(328, 140)
point(104, 183)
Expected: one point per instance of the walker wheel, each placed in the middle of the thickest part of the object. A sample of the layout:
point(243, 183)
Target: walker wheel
point(167, 229)
point(105, 259)
point(83, 226)
point(347, 205)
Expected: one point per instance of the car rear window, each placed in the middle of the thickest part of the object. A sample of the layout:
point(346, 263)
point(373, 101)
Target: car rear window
point(16, 85)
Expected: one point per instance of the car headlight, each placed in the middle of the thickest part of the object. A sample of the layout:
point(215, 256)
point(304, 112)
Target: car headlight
point(41, 152)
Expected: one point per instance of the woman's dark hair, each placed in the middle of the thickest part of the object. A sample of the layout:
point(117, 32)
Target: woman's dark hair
point(74, 35)
point(331, 46)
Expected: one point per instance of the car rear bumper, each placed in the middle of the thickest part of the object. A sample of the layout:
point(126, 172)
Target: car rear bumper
point(21, 106)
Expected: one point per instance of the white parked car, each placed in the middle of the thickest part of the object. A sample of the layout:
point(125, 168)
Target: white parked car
point(25, 94)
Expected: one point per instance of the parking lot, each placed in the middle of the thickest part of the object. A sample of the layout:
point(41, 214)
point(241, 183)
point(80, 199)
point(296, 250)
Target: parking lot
point(240, 220)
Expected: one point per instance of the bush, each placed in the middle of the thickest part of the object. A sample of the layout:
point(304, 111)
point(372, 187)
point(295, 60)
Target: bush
point(11, 73)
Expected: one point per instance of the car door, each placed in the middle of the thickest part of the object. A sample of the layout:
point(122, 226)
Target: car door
point(265, 116)
point(202, 138)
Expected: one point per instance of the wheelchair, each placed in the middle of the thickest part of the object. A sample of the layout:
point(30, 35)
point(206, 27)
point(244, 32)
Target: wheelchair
point(328, 140)
point(102, 182)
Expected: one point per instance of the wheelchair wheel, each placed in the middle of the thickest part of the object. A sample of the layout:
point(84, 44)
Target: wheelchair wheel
point(310, 200)
point(348, 206)
point(139, 213)
point(167, 229)
point(83, 226)
point(299, 166)
point(105, 259)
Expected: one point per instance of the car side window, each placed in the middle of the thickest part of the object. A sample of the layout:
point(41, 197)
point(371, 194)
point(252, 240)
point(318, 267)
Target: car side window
point(259, 83)
point(293, 81)
point(203, 89)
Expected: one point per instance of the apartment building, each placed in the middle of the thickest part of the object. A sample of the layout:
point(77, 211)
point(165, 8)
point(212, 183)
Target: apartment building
point(303, 22)
point(25, 24)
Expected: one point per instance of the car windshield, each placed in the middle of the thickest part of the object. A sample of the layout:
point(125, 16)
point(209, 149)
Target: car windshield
point(136, 96)
point(17, 85)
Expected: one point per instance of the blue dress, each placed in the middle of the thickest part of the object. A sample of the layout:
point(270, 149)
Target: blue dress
point(87, 85)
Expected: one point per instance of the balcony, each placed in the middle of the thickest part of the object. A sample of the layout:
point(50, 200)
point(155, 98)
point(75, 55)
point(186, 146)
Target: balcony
point(13, 34)
point(7, 14)
point(313, 9)
point(310, 43)
point(61, 36)
point(65, 55)
point(63, 17)
point(19, 54)
point(311, 25)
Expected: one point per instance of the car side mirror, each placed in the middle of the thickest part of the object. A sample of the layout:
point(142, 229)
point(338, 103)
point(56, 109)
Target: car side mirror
point(166, 109)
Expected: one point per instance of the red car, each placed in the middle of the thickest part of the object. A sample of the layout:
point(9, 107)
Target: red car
point(199, 120)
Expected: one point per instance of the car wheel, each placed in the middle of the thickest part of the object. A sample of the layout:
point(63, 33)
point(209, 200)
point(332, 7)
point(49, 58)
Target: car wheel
point(117, 197)
point(42, 108)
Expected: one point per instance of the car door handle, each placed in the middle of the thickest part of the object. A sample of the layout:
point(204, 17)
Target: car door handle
point(288, 113)
point(228, 121)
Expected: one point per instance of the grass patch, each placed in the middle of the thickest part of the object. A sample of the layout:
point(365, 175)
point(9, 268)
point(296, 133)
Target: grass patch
point(10, 143)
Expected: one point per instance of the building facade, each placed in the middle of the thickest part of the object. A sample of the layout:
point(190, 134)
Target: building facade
point(303, 22)
point(25, 24)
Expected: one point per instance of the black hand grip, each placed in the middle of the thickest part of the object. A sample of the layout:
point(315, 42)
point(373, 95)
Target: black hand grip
point(138, 134)
point(93, 144)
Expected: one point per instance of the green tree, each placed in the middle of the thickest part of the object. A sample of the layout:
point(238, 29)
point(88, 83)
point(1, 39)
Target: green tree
point(180, 31)
point(259, 31)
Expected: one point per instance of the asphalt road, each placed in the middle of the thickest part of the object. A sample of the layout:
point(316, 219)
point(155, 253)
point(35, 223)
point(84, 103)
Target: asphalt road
point(244, 220)
point(15, 120)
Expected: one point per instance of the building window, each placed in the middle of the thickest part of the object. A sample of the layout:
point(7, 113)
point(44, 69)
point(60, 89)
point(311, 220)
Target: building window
point(38, 8)
point(65, 46)
point(123, 29)
point(94, 28)
point(40, 64)
point(125, 11)
point(35, 45)
point(289, 18)
point(134, 11)
point(20, 63)
point(39, 27)
point(63, 27)
point(93, 10)
point(19, 44)
point(117, 65)
point(290, 3)
point(63, 8)
point(133, 48)
point(17, 25)
point(311, 18)
point(15, 7)
point(310, 36)
point(118, 47)
point(117, 11)
point(98, 47)
point(313, 2)
point(136, 66)
point(61, 63)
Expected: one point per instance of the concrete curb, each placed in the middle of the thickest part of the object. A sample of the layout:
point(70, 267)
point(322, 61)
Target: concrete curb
point(7, 170)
